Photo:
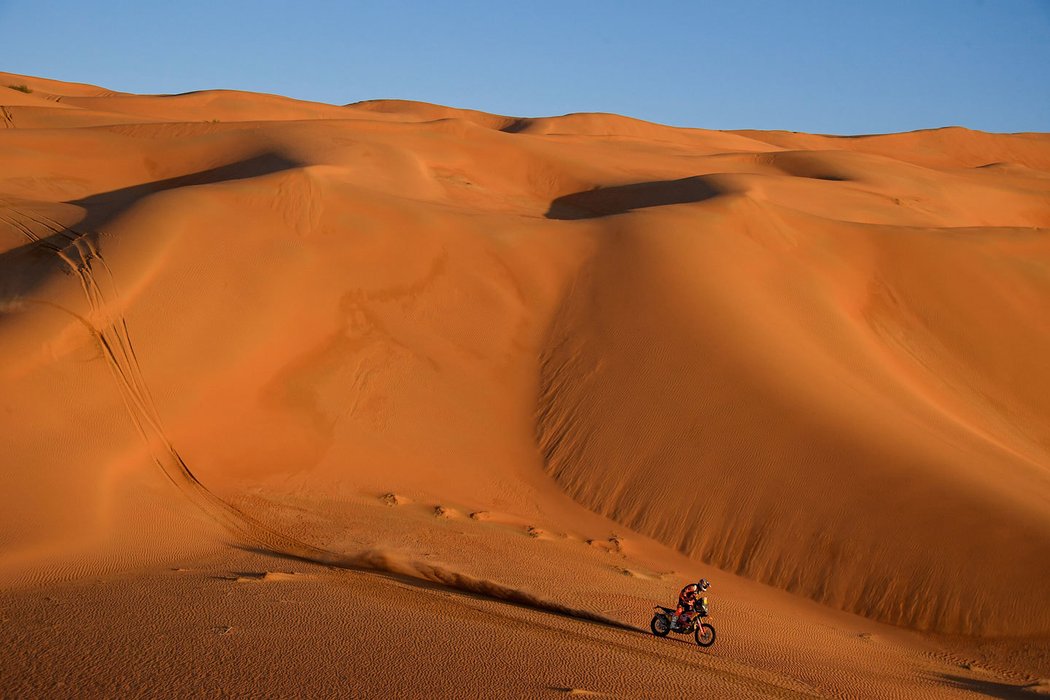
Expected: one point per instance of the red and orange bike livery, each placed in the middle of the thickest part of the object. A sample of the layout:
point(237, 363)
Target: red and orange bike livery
point(666, 621)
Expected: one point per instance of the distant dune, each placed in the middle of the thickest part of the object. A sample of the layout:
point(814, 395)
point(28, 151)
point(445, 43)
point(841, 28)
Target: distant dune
point(818, 363)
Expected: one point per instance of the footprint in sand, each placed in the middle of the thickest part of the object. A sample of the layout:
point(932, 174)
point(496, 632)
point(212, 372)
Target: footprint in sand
point(633, 573)
point(578, 692)
point(249, 576)
point(393, 499)
point(613, 544)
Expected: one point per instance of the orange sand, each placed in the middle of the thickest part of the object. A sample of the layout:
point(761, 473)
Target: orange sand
point(394, 399)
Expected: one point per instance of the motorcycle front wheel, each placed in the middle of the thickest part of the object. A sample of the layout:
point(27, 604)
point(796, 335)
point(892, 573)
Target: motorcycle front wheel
point(705, 635)
point(660, 625)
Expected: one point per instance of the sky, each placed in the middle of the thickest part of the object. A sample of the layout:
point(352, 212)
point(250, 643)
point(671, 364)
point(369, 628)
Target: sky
point(824, 66)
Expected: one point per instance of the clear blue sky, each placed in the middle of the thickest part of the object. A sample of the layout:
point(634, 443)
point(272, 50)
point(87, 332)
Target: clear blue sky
point(831, 66)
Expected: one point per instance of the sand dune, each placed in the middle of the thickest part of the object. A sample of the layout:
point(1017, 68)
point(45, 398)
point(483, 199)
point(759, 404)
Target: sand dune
point(591, 356)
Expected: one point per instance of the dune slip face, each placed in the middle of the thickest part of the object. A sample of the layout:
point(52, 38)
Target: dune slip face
point(815, 365)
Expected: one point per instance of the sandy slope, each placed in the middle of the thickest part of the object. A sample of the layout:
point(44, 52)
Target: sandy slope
point(584, 357)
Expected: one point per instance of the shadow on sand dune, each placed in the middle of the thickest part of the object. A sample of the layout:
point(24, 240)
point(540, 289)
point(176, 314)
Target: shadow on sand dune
point(606, 201)
point(992, 689)
point(51, 247)
point(427, 575)
point(106, 204)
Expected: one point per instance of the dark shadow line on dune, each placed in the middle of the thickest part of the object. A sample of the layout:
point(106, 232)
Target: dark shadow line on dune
point(516, 126)
point(992, 689)
point(105, 205)
point(606, 201)
point(433, 577)
point(23, 268)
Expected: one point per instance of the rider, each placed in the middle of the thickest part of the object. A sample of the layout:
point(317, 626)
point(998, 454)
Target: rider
point(688, 599)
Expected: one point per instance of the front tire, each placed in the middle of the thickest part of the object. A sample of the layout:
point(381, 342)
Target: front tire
point(705, 635)
point(660, 625)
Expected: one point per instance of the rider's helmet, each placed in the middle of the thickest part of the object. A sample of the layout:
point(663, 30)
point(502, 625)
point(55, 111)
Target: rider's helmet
point(703, 584)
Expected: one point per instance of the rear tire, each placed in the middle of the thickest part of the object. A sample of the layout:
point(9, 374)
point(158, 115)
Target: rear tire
point(705, 635)
point(660, 625)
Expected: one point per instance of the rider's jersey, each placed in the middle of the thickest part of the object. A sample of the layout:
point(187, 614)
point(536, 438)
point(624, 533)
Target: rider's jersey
point(689, 595)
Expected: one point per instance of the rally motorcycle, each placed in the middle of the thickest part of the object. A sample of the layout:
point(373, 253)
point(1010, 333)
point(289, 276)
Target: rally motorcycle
point(665, 622)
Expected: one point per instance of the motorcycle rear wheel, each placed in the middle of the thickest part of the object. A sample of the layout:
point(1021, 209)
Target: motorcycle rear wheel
point(705, 635)
point(660, 625)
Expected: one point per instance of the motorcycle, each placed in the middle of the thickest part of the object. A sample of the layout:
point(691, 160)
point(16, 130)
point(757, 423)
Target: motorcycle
point(665, 621)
